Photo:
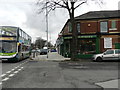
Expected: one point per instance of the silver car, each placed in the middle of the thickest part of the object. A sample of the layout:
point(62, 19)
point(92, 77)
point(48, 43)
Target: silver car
point(110, 54)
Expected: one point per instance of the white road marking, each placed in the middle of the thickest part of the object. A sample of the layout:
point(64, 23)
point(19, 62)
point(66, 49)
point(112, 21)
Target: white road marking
point(0, 83)
point(19, 69)
point(16, 67)
point(12, 69)
point(8, 72)
point(16, 72)
point(5, 79)
point(22, 67)
point(2, 75)
point(11, 75)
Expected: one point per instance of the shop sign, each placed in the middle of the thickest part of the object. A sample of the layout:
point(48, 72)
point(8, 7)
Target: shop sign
point(67, 37)
point(91, 36)
point(107, 42)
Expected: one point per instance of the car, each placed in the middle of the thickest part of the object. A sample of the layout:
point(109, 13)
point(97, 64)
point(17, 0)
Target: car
point(53, 50)
point(34, 51)
point(43, 51)
point(110, 54)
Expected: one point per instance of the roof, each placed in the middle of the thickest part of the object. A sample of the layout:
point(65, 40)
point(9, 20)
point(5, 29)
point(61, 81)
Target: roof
point(99, 15)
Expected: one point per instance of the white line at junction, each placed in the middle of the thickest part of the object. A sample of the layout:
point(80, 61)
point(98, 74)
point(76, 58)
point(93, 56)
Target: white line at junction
point(5, 79)
point(2, 75)
point(11, 75)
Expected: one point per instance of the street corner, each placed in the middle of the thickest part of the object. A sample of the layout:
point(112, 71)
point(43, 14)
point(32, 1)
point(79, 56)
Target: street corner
point(113, 84)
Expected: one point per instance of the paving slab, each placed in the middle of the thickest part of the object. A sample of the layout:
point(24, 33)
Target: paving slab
point(52, 56)
point(109, 84)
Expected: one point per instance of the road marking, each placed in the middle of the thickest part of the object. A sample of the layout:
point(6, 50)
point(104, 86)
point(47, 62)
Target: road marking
point(12, 69)
point(2, 75)
point(0, 83)
point(11, 75)
point(16, 72)
point(22, 67)
point(5, 79)
point(8, 72)
point(16, 67)
point(19, 69)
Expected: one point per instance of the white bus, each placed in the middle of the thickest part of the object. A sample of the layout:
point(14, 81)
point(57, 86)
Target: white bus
point(15, 44)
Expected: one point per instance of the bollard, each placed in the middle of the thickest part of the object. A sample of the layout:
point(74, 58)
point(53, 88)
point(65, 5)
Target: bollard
point(33, 54)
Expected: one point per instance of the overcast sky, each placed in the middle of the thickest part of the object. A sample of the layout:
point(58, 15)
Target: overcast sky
point(23, 14)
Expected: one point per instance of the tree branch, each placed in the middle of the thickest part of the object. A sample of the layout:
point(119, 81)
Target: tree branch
point(80, 4)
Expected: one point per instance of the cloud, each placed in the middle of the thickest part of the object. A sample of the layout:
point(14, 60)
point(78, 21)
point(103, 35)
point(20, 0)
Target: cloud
point(23, 13)
point(119, 5)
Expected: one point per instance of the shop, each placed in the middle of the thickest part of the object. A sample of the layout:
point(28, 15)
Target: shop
point(97, 31)
point(87, 46)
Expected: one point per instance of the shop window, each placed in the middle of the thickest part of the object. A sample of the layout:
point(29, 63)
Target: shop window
point(104, 26)
point(78, 27)
point(87, 46)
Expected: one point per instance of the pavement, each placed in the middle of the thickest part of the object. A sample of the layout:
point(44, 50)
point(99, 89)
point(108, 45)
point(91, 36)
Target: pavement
point(109, 84)
point(52, 56)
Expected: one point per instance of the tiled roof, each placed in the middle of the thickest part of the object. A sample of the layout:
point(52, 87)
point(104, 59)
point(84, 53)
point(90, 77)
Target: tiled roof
point(99, 14)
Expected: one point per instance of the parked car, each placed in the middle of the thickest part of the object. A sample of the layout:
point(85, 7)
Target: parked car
point(110, 54)
point(34, 51)
point(43, 51)
point(53, 50)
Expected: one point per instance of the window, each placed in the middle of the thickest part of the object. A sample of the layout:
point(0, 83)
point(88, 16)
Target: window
point(117, 51)
point(78, 27)
point(87, 46)
point(113, 25)
point(20, 32)
point(69, 27)
point(104, 26)
point(110, 52)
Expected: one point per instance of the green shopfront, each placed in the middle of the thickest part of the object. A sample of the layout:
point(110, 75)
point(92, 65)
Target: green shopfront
point(87, 45)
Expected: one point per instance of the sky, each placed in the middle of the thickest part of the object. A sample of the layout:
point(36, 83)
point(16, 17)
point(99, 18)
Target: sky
point(23, 14)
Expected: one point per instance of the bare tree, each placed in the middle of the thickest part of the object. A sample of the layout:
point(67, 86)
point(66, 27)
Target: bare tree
point(40, 43)
point(70, 6)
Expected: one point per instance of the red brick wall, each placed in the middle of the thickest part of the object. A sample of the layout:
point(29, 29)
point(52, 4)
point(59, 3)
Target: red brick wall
point(115, 39)
point(89, 26)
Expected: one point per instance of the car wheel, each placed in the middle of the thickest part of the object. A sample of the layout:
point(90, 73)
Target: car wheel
point(99, 59)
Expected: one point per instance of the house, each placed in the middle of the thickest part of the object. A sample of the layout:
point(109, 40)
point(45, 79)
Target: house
point(97, 31)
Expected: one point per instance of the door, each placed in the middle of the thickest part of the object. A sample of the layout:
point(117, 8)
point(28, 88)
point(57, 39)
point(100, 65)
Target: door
point(109, 55)
point(117, 54)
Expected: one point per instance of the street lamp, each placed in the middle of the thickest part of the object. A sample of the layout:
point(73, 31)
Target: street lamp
point(47, 26)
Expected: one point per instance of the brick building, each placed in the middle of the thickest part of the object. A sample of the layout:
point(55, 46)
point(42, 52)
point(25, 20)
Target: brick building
point(97, 31)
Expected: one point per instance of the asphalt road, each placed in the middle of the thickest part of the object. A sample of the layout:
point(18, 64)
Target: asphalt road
point(49, 74)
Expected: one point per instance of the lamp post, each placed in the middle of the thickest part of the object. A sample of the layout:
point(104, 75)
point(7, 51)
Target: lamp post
point(47, 26)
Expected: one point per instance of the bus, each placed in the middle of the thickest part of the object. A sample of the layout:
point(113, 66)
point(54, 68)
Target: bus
point(15, 44)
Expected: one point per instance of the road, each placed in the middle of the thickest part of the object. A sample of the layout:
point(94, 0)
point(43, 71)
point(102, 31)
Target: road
point(51, 74)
